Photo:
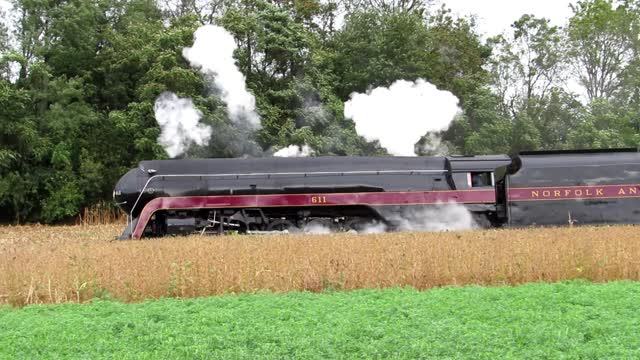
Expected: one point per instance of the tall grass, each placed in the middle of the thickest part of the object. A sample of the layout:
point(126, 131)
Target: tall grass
point(40, 264)
point(101, 213)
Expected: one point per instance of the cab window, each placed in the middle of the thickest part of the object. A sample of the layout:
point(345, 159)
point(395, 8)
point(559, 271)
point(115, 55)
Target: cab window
point(481, 179)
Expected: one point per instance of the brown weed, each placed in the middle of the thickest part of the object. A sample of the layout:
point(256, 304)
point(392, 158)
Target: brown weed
point(42, 264)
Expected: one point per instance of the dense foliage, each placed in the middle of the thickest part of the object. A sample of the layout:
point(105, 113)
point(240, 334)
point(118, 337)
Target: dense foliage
point(78, 80)
point(575, 320)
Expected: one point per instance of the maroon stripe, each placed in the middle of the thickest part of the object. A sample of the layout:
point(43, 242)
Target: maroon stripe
point(574, 192)
point(297, 200)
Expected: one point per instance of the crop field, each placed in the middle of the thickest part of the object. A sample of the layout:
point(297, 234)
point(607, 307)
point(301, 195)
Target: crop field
point(572, 320)
point(40, 264)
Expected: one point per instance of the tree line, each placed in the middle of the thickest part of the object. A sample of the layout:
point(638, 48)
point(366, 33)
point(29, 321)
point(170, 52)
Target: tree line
point(78, 81)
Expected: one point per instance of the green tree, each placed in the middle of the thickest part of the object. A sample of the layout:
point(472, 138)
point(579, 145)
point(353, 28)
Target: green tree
point(5, 46)
point(527, 65)
point(601, 37)
point(20, 144)
point(283, 57)
point(603, 125)
point(59, 105)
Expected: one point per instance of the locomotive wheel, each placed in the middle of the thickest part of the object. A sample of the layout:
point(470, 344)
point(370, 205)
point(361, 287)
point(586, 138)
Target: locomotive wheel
point(282, 225)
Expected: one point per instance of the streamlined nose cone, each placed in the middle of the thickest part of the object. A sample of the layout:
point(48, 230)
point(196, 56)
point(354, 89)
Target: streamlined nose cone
point(126, 190)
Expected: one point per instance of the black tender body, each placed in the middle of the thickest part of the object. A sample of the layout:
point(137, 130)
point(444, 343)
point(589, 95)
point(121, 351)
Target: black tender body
point(570, 187)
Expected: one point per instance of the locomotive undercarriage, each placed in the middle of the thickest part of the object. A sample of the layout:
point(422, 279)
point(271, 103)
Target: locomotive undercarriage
point(278, 220)
point(260, 220)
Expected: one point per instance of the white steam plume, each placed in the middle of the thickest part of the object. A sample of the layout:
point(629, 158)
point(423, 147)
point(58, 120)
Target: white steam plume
point(179, 121)
point(295, 151)
point(399, 115)
point(441, 217)
point(212, 52)
point(317, 229)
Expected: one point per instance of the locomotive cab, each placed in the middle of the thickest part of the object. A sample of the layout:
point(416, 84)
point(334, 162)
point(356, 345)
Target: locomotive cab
point(474, 172)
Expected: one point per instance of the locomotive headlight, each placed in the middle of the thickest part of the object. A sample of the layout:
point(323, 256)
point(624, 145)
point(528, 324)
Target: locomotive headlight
point(116, 194)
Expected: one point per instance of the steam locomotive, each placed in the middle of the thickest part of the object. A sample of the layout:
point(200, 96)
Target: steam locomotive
point(165, 197)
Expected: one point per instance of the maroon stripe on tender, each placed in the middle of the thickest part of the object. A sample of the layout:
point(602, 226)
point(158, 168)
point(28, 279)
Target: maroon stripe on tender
point(298, 200)
point(574, 192)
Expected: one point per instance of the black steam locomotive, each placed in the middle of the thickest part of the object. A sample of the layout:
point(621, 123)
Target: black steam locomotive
point(163, 197)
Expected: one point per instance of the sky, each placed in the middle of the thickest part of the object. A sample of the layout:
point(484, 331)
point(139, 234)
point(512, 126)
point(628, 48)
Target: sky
point(496, 16)
point(5, 5)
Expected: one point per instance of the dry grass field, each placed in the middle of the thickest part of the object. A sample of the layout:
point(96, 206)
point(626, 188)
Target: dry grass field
point(41, 264)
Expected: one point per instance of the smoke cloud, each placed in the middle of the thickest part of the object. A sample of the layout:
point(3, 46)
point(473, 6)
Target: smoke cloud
point(432, 145)
point(212, 53)
point(295, 151)
point(398, 116)
point(179, 121)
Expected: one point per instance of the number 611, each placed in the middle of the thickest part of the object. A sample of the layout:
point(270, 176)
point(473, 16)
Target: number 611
point(318, 199)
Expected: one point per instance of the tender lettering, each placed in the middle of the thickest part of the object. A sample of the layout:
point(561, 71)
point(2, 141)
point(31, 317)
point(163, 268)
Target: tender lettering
point(585, 192)
point(576, 193)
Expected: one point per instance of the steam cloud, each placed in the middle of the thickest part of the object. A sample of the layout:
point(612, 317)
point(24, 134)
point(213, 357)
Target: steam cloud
point(399, 115)
point(179, 121)
point(317, 229)
point(295, 151)
point(438, 217)
point(212, 52)
point(441, 217)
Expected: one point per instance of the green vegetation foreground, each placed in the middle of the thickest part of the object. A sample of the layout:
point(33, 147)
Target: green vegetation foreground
point(566, 320)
